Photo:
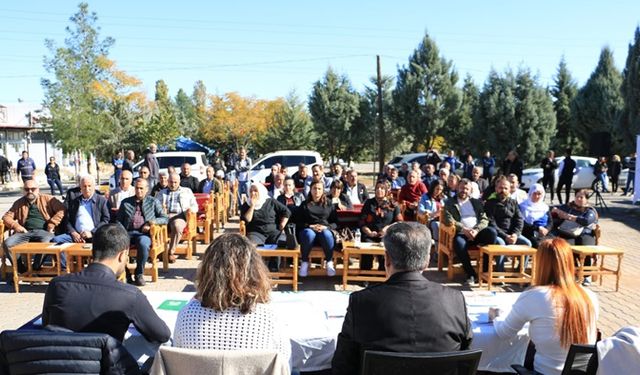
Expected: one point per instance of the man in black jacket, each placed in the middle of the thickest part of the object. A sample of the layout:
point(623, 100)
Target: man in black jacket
point(93, 300)
point(549, 166)
point(379, 317)
point(187, 180)
point(567, 169)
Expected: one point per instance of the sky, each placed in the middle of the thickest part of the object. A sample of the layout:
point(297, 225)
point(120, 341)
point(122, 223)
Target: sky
point(267, 49)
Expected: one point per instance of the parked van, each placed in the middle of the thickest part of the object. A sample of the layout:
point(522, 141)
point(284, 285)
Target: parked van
point(198, 161)
point(287, 158)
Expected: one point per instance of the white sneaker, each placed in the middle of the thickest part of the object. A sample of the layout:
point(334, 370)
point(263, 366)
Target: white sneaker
point(331, 270)
point(304, 269)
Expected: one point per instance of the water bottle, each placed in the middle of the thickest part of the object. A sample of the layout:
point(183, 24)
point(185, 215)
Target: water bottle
point(357, 237)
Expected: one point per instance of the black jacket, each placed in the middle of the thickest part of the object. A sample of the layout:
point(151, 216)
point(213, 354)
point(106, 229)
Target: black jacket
point(406, 313)
point(504, 216)
point(266, 220)
point(100, 212)
point(52, 171)
point(93, 300)
point(190, 182)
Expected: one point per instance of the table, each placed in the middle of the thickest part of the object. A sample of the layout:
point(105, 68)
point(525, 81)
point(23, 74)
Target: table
point(288, 276)
point(365, 248)
point(34, 248)
point(594, 269)
point(519, 277)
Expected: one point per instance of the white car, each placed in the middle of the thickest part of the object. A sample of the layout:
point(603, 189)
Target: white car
point(290, 159)
point(582, 178)
point(198, 161)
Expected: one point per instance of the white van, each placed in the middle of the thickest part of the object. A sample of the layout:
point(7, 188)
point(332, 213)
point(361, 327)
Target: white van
point(287, 158)
point(197, 159)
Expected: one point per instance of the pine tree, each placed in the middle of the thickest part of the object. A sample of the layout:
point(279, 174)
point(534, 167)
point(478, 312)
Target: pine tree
point(425, 94)
point(564, 92)
point(163, 127)
point(629, 124)
point(460, 124)
point(292, 129)
point(185, 114)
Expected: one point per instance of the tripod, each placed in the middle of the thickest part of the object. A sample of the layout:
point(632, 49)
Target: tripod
point(597, 187)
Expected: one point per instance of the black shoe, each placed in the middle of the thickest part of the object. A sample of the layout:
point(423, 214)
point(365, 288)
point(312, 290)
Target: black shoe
point(129, 278)
point(22, 268)
point(140, 280)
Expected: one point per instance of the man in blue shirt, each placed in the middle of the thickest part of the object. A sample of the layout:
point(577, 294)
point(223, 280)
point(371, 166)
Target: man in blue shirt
point(26, 167)
point(118, 163)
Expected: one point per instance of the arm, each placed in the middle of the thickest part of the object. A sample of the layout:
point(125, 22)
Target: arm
point(282, 212)
point(57, 209)
point(519, 315)
point(161, 217)
point(147, 321)
point(333, 217)
point(587, 218)
point(246, 212)
point(365, 194)
point(449, 218)
point(517, 221)
point(483, 219)
point(346, 359)
point(105, 215)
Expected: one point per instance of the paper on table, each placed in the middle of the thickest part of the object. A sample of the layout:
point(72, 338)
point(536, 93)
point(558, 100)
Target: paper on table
point(60, 245)
point(519, 247)
point(268, 247)
point(368, 245)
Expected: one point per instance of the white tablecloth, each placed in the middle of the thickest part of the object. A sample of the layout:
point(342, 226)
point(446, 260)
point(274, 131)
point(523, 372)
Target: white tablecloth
point(313, 320)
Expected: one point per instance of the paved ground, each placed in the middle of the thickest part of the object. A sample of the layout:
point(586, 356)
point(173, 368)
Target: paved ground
point(621, 229)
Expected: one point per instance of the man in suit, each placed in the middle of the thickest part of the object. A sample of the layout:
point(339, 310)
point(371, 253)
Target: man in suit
point(378, 318)
point(567, 169)
point(355, 190)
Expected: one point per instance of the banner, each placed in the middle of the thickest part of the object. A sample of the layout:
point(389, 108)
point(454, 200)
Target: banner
point(636, 182)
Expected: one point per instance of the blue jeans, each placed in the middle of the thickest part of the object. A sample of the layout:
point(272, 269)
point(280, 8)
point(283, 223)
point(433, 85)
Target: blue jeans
point(309, 237)
point(142, 242)
point(522, 240)
point(630, 181)
point(487, 236)
point(53, 184)
point(603, 178)
point(36, 235)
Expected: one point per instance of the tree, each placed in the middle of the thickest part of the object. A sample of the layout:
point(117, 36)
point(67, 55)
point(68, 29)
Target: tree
point(292, 128)
point(200, 102)
point(456, 133)
point(599, 102)
point(564, 91)
point(185, 114)
point(163, 127)
point(425, 94)
point(333, 105)
point(629, 124)
point(76, 116)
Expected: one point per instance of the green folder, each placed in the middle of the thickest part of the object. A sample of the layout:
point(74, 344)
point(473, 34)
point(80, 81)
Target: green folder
point(172, 304)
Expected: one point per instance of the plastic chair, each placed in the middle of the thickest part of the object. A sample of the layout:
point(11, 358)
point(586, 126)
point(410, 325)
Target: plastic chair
point(446, 363)
point(581, 360)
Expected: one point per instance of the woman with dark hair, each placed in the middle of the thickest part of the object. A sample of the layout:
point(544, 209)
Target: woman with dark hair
point(430, 205)
point(317, 218)
point(559, 311)
point(340, 200)
point(231, 310)
point(377, 214)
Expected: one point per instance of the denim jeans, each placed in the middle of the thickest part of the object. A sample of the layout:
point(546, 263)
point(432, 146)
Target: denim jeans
point(142, 242)
point(309, 237)
point(522, 240)
point(53, 184)
point(36, 235)
point(487, 236)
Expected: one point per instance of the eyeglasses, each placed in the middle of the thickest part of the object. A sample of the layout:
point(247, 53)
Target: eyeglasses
point(31, 189)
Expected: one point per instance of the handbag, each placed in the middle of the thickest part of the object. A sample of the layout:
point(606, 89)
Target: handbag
point(290, 234)
point(570, 229)
point(341, 236)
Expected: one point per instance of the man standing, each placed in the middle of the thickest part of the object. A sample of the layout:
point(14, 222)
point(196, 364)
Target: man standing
point(93, 300)
point(631, 175)
point(177, 201)
point(152, 163)
point(127, 164)
point(242, 167)
point(137, 214)
point(4, 169)
point(187, 180)
point(488, 163)
point(275, 169)
point(428, 175)
point(549, 166)
point(125, 190)
point(26, 167)
point(395, 181)
point(209, 184)
point(356, 191)
point(217, 162)
point(33, 218)
point(467, 167)
point(378, 318)
point(453, 161)
point(512, 164)
point(52, 171)
point(567, 169)
point(118, 162)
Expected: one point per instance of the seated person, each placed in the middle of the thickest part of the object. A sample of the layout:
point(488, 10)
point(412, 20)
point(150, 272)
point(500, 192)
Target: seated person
point(582, 215)
point(505, 217)
point(356, 191)
point(472, 226)
point(85, 215)
point(187, 180)
point(125, 190)
point(428, 174)
point(476, 176)
point(377, 214)
point(32, 218)
point(176, 200)
point(231, 309)
point(209, 184)
point(410, 195)
point(559, 311)
point(394, 178)
point(264, 216)
point(93, 300)
point(275, 169)
point(317, 175)
point(452, 186)
point(339, 199)
point(535, 214)
point(275, 189)
point(430, 206)
point(338, 172)
point(317, 216)
point(163, 183)
point(291, 198)
point(145, 174)
point(300, 176)
point(137, 214)
point(514, 189)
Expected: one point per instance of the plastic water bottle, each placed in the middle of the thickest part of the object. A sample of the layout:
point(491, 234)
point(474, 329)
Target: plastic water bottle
point(357, 237)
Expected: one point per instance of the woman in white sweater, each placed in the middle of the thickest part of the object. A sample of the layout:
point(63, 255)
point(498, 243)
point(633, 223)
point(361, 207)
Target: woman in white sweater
point(559, 311)
point(231, 309)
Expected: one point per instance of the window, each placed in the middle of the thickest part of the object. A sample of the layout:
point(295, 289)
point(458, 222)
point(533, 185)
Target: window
point(295, 160)
point(268, 162)
point(310, 160)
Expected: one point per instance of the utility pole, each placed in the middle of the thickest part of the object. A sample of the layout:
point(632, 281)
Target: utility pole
point(380, 119)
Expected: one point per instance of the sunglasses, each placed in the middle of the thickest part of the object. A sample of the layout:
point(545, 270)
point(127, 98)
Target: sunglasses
point(31, 189)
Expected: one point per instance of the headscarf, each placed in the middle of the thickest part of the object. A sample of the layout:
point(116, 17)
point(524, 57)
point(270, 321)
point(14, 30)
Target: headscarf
point(263, 195)
point(531, 211)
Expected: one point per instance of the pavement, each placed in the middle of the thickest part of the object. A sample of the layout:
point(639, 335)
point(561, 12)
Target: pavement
point(620, 229)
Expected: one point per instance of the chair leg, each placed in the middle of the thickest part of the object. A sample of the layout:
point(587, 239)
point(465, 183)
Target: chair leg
point(165, 260)
point(191, 244)
point(206, 235)
point(154, 270)
point(450, 268)
point(440, 255)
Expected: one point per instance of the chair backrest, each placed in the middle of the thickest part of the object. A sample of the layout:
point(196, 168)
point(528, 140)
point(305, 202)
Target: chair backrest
point(447, 363)
point(581, 360)
point(178, 361)
point(57, 350)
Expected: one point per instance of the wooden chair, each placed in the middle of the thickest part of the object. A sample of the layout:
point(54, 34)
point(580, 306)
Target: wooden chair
point(205, 217)
point(446, 235)
point(190, 236)
point(158, 234)
point(220, 210)
point(5, 269)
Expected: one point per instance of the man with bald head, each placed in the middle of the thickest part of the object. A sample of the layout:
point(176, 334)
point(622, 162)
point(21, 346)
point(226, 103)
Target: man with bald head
point(33, 218)
point(137, 214)
point(125, 190)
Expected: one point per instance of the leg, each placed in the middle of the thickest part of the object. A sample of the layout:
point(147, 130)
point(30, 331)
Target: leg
point(552, 182)
point(142, 243)
point(326, 240)
point(51, 185)
point(307, 237)
point(176, 227)
point(41, 235)
point(9, 243)
point(559, 190)
point(522, 240)
point(568, 192)
point(460, 247)
point(435, 232)
point(59, 184)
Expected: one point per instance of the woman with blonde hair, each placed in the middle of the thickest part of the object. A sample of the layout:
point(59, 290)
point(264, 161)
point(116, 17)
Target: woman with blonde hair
point(559, 311)
point(231, 310)
point(615, 168)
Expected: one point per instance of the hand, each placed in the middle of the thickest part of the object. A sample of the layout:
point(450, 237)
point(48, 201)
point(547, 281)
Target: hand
point(21, 230)
point(543, 231)
point(77, 237)
point(511, 239)
point(320, 228)
point(469, 233)
point(373, 234)
point(145, 228)
point(86, 234)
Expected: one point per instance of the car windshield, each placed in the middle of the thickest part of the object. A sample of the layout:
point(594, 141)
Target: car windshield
point(395, 160)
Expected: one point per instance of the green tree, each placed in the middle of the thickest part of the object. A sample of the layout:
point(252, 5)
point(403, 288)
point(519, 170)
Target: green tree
point(564, 91)
point(185, 114)
point(77, 115)
point(599, 102)
point(333, 105)
point(292, 128)
point(425, 94)
point(199, 98)
point(456, 133)
point(163, 127)
point(629, 124)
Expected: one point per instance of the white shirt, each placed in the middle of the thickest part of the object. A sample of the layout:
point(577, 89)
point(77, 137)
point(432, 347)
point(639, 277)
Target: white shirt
point(118, 195)
point(468, 217)
point(537, 307)
point(519, 195)
point(352, 192)
point(200, 327)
